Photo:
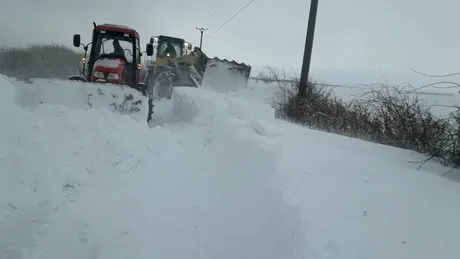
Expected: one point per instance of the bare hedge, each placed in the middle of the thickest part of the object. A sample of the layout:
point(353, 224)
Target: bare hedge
point(39, 61)
point(384, 114)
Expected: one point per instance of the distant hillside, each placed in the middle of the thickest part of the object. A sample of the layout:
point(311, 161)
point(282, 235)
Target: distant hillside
point(39, 61)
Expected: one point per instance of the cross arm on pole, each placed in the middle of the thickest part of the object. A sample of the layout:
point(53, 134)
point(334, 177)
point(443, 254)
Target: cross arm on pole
point(201, 29)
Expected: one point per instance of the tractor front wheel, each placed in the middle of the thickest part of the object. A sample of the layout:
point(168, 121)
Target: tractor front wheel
point(164, 85)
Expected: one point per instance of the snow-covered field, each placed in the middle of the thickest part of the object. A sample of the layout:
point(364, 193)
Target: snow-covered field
point(216, 177)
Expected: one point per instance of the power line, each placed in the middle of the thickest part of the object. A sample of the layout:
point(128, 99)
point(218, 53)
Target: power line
point(231, 18)
point(204, 4)
point(214, 7)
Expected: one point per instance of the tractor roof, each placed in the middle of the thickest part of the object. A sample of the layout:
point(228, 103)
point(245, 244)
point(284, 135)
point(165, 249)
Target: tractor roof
point(170, 38)
point(118, 28)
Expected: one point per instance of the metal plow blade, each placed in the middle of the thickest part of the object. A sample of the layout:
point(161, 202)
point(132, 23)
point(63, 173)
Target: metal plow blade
point(118, 99)
point(224, 76)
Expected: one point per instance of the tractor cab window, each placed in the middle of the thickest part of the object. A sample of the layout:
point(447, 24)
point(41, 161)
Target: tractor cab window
point(116, 47)
point(173, 49)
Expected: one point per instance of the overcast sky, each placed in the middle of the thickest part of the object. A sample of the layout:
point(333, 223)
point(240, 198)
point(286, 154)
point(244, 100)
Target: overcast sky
point(386, 35)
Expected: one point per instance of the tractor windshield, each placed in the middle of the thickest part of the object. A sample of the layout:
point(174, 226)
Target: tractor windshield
point(115, 46)
point(163, 49)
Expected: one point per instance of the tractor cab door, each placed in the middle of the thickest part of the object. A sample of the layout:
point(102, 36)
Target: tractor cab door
point(132, 69)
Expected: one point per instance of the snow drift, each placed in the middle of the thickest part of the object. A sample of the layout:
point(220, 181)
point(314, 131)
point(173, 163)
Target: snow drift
point(95, 184)
point(220, 179)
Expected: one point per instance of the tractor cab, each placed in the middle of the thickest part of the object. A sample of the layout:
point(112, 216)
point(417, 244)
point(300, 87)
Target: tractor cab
point(168, 47)
point(115, 55)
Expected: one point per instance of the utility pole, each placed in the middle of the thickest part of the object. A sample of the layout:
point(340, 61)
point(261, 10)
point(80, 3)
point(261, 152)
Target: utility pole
point(201, 29)
point(308, 49)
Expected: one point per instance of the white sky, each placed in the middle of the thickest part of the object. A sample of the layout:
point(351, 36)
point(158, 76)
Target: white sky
point(352, 35)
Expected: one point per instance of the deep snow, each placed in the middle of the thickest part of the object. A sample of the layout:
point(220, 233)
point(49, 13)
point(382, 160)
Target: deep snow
point(215, 177)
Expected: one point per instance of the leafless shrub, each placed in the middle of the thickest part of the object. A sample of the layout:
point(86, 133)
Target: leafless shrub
point(384, 114)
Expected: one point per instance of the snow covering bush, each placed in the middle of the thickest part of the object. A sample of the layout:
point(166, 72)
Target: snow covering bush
point(385, 114)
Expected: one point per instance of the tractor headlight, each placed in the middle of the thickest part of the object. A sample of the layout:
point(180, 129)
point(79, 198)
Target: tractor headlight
point(113, 76)
point(98, 74)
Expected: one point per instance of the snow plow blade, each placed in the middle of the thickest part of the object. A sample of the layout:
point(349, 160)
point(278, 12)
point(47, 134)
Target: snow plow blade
point(76, 95)
point(224, 76)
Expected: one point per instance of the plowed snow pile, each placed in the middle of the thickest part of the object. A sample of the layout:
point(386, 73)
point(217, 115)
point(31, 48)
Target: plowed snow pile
point(81, 96)
point(216, 178)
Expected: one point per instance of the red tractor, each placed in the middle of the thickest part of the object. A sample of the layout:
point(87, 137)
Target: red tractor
point(115, 57)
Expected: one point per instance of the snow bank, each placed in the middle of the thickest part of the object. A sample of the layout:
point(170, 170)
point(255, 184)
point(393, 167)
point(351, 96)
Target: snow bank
point(46, 155)
point(364, 200)
point(82, 96)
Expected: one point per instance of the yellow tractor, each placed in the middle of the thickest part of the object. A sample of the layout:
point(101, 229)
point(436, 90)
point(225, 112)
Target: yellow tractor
point(174, 63)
